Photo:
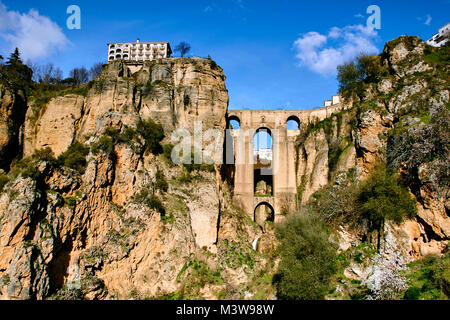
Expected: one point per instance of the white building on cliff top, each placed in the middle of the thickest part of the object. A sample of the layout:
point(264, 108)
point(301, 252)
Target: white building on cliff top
point(138, 51)
point(440, 38)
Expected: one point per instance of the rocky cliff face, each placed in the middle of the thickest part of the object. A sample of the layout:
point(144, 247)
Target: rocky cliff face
point(394, 124)
point(69, 234)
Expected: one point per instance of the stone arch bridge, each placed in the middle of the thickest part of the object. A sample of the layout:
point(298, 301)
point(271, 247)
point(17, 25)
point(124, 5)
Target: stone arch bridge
point(279, 172)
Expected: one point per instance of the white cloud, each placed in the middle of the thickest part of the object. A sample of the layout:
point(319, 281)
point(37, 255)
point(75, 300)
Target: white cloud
point(36, 36)
point(426, 19)
point(323, 53)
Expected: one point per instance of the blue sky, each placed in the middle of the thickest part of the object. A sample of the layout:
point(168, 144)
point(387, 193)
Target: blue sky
point(276, 54)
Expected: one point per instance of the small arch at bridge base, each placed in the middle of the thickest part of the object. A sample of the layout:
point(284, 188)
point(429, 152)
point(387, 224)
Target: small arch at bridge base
point(264, 215)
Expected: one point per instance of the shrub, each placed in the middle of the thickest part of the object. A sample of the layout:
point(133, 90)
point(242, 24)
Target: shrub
point(185, 177)
point(161, 182)
point(45, 154)
point(3, 181)
point(198, 166)
point(412, 293)
point(167, 152)
point(105, 144)
point(27, 167)
point(150, 200)
point(338, 203)
point(152, 133)
point(75, 157)
point(308, 258)
point(212, 64)
point(154, 202)
point(382, 196)
point(429, 278)
point(387, 281)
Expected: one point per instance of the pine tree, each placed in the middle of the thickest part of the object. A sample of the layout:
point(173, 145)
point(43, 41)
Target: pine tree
point(14, 59)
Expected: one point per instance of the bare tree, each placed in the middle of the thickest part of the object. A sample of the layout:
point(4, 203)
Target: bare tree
point(36, 70)
point(183, 48)
point(57, 75)
point(79, 75)
point(95, 70)
point(46, 74)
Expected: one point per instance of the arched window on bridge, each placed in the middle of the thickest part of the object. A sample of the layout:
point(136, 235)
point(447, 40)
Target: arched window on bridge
point(264, 215)
point(262, 174)
point(233, 123)
point(293, 123)
point(262, 143)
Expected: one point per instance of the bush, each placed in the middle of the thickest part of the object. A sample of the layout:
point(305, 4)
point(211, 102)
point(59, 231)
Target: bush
point(185, 177)
point(152, 133)
point(153, 202)
point(161, 182)
point(167, 151)
point(75, 157)
point(105, 144)
point(337, 204)
point(212, 64)
point(27, 167)
point(308, 258)
point(198, 166)
point(150, 200)
point(45, 154)
point(412, 293)
point(382, 196)
point(429, 278)
point(350, 80)
point(3, 181)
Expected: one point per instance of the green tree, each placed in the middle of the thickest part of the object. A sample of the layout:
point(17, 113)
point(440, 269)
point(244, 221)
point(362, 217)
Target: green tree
point(383, 197)
point(308, 258)
point(14, 58)
point(352, 76)
point(153, 133)
point(15, 74)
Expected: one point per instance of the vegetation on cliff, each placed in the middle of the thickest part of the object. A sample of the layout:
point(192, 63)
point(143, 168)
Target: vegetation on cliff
point(308, 258)
point(398, 118)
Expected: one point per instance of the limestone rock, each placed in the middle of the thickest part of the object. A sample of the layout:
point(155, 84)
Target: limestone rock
point(12, 115)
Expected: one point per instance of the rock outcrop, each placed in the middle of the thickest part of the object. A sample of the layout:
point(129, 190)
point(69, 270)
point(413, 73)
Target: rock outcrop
point(13, 105)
